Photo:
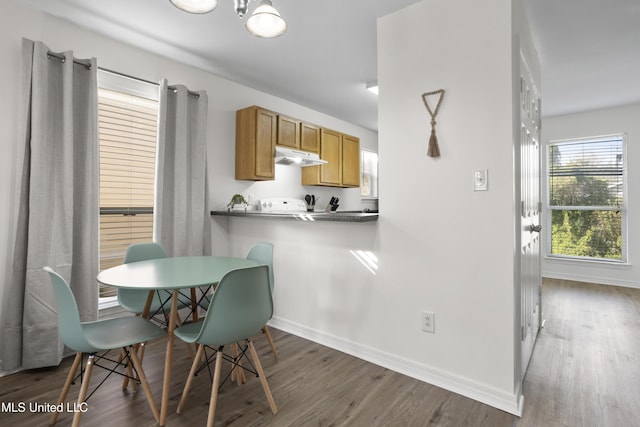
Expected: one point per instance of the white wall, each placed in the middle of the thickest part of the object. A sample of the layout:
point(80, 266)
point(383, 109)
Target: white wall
point(456, 249)
point(225, 98)
point(623, 119)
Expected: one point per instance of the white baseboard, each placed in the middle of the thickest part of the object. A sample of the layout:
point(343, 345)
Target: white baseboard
point(507, 402)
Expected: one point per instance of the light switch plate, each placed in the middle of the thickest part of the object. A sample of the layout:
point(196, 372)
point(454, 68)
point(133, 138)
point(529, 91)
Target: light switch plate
point(481, 180)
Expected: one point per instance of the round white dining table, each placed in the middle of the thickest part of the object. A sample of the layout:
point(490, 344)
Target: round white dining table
point(171, 274)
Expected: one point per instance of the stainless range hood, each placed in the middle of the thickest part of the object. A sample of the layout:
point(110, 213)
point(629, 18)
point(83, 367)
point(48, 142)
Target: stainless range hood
point(291, 157)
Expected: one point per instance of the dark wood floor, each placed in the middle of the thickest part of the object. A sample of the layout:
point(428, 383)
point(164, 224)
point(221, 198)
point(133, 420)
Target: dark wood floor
point(584, 372)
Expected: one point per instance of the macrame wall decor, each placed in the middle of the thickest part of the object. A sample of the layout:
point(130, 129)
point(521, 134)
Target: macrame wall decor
point(433, 150)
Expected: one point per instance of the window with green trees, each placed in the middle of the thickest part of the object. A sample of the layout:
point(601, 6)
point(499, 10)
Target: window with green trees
point(586, 198)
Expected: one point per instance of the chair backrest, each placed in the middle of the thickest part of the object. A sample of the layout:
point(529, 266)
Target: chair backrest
point(133, 300)
point(143, 252)
point(240, 307)
point(69, 325)
point(262, 253)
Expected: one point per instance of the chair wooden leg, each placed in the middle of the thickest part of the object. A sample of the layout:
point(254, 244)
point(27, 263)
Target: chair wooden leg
point(237, 374)
point(140, 351)
point(145, 385)
point(130, 373)
point(125, 381)
point(263, 379)
point(214, 390)
point(234, 371)
point(67, 385)
point(177, 319)
point(192, 373)
point(266, 331)
point(83, 390)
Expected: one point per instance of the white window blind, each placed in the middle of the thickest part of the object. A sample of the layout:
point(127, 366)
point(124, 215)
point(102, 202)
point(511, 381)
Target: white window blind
point(127, 134)
point(586, 198)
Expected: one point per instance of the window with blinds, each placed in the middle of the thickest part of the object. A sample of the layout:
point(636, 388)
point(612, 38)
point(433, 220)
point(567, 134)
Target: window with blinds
point(127, 135)
point(587, 198)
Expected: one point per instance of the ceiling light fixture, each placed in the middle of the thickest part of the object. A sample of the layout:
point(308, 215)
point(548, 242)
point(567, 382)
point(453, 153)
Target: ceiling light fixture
point(195, 6)
point(265, 21)
point(241, 7)
point(373, 87)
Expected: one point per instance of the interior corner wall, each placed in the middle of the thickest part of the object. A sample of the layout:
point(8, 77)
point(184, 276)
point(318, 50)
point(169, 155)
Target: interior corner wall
point(450, 249)
point(621, 119)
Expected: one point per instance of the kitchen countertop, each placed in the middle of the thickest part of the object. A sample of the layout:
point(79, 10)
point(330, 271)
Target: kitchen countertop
point(338, 216)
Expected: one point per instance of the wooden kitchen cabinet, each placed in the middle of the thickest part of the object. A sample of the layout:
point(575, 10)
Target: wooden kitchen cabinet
point(259, 130)
point(298, 135)
point(331, 151)
point(256, 133)
point(288, 132)
point(342, 152)
point(350, 161)
point(309, 137)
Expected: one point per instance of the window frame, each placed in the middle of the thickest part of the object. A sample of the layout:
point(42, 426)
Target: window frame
point(623, 208)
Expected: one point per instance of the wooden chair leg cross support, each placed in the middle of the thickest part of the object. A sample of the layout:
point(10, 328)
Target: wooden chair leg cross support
point(237, 371)
point(197, 366)
point(128, 357)
point(124, 360)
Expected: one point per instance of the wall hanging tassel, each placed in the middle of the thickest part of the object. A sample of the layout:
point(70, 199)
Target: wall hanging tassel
point(433, 150)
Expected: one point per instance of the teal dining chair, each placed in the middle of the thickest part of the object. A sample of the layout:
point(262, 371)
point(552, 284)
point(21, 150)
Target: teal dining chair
point(134, 300)
point(262, 253)
point(239, 308)
point(92, 338)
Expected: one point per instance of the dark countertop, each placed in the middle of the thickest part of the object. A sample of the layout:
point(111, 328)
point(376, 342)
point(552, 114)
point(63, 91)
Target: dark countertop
point(343, 216)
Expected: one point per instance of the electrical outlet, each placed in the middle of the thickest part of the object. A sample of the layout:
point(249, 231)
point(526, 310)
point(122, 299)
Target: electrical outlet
point(428, 322)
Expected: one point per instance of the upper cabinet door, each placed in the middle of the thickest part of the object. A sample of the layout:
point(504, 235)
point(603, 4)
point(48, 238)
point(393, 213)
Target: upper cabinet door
point(265, 143)
point(350, 161)
point(331, 151)
point(256, 131)
point(288, 132)
point(309, 137)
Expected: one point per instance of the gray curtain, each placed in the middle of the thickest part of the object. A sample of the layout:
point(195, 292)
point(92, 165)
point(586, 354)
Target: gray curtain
point(182, 222)
point(58, 204)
